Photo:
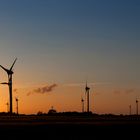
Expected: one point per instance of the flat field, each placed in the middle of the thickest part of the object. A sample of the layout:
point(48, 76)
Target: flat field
point(69, 127)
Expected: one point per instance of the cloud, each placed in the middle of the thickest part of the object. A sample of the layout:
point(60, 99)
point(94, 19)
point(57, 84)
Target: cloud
point(126, 91)
point(117, 92)
point(96, 93)
point(42, 90)
point(83, 84)
point(129, 91)
point(15, 90)
point(74, 85)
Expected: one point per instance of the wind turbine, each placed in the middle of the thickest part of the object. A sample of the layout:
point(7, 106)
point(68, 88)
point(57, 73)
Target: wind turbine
point(87, 92)
point(9, 73)
point(137, 102)
point(17, 103)
point(82, 101)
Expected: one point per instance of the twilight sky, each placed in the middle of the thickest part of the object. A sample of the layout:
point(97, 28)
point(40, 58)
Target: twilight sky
point(66, 42)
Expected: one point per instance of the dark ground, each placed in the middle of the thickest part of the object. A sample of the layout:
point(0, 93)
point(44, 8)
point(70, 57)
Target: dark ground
point(69, 127)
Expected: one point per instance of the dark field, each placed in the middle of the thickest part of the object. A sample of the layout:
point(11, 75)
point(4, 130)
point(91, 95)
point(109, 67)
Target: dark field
point(69, 127)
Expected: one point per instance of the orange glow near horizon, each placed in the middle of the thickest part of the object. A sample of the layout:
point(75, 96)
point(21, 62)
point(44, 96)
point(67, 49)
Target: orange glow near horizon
point(67, 43)
point(63, 98)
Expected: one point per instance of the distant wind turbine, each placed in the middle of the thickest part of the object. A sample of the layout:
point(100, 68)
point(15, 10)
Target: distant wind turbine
point(17, 104)
point(82, 101)
point(137, 108)
point(9, 73)
point(87, 92)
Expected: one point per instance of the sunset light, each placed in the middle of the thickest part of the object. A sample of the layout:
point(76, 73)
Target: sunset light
point(69, 56)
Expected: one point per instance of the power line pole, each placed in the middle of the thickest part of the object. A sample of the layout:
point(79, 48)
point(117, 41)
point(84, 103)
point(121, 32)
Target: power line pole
point(129, 109)
point(7, 107)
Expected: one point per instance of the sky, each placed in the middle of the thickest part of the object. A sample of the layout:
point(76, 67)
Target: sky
point(61, 44)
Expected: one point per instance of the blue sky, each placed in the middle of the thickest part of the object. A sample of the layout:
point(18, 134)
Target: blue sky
point(67, 41)
point(79, 31)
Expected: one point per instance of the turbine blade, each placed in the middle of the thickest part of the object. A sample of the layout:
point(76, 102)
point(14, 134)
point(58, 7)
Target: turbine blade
point(4, 68)
point(4, 83)
point(13, 64)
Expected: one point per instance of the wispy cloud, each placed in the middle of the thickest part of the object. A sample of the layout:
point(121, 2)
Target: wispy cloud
point(124, 91)
point(42, 90)
point(129, 91)
point(97, 93)
point(15, 90)
point(83, 84)
point(117, 92)
point(74, 85)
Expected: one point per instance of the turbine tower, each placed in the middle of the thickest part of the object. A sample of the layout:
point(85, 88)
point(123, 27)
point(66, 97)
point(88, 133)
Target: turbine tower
point(9, 73)
point(82, 101)
point(87, 92)
point(17, 104)
point(137, 109)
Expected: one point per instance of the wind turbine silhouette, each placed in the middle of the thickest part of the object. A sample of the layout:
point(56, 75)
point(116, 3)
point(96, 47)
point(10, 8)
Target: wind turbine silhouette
point(82, 101)
point(137, 110)
point(10, 73)
point(17, 104)
point(87, 92)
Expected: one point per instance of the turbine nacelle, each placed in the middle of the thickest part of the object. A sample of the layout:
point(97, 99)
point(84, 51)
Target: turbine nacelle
point(87, 88)
point(82, 100)
point(16, 99)
point(9, 71)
